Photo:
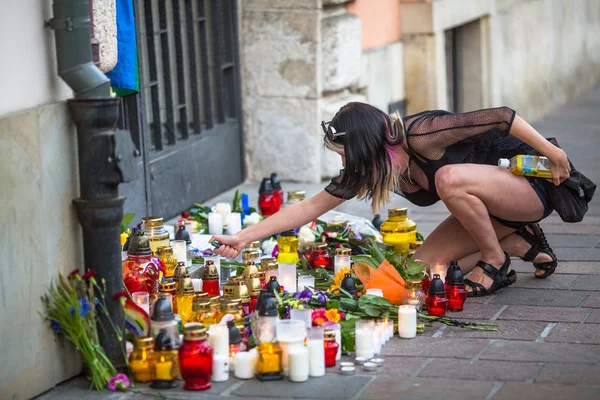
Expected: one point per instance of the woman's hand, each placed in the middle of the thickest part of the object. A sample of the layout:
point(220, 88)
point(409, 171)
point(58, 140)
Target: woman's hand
point(561, 170)
point(230, 247)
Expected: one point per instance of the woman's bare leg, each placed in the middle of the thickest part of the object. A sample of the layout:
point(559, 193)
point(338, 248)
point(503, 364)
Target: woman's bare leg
point(473, 192)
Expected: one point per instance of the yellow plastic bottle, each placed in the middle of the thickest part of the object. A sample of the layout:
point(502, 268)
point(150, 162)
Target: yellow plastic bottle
point(288, 248)
point(398, 230)
point(526, 165)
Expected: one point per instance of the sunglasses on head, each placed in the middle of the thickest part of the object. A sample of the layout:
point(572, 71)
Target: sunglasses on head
point(330, 131)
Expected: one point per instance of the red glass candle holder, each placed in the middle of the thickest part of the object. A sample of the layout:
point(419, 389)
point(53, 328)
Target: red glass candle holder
point(196, 359)
point(319, 257)
point(425, 283)
point(331, 348)
point(457, 295)
point(437, 305)
point(140, 274)
point(211, 287)
point(253, 300)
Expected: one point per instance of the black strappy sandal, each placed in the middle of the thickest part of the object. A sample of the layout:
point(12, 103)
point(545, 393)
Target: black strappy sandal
point(500, 277)
point(539, 244)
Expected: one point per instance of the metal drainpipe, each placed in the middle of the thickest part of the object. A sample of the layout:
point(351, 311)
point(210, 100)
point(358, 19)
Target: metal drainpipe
point(106, 158)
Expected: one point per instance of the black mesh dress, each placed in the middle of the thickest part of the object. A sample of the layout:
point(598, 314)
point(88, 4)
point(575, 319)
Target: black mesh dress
point(438, 138)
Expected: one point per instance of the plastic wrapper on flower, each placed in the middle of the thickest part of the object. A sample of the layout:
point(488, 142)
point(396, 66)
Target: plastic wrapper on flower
point(358, 225)
point(385, 278)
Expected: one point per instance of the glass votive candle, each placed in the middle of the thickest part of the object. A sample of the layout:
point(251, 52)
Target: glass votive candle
point(337, 328)
point(315, 343)
point(364, 338)
point(215, 223)
point(290, 335)
point(407, 321)
point(305, 281)
point(234, 223)
point(197, 283)
point(142, 300)
point(302, 315)
point(438, 269)
point(375, 292)
point(287, 277)
point(180, 250)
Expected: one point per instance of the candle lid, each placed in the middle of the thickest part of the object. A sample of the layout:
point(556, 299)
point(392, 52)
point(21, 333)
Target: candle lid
point(139, 245)
point(164, 250)
point(210, 271)
point(268, 307)
point(200, 305)
point(260, 275)
point(348, 284)
point(329, 335)
point(194, 332)
point(261, 296)
point(276, 181)
point(232, 307)
point(162, 309)
point(143, 342)
point(152, 222)
point(454, 275)
point(271, 266)
point(180, 270)
point(249, 269)
point(214, 300)
point(254, 245)
point(436, 287)
point(397, 212)
point(167, 286)
point(185, 285)
point(182, 234)
point(201, 295)
point(235, 279)
point(163, 341)
point(273, 285)
point(343, 251)
point(255, 292)
point(290, 232)
point(320, 246)
point(250, 255)
point(234, 333)
point(265, 261)
point(266, 186)
point(296, 195)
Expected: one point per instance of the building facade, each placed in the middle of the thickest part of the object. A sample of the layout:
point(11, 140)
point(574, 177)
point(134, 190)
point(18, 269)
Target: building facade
point(282, 68)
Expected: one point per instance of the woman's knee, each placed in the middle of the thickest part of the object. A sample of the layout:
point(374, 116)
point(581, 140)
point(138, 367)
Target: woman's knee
point(448, 181)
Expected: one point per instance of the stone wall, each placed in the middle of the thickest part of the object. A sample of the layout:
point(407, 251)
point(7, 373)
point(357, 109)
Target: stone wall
point(41, 238)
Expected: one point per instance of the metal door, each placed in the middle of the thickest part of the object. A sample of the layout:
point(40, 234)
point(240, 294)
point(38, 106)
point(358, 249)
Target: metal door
point(186, 120)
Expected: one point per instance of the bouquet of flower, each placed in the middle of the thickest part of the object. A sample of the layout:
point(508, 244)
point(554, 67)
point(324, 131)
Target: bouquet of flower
point(72, 309)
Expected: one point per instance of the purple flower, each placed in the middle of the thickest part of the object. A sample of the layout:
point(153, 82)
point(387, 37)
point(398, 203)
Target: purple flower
point(56, 326)
point(118, 382)
point(287, 312)
point(275, 251)
point(305, 296)
point(285, 292)
point(322, 298)
point(84, 307)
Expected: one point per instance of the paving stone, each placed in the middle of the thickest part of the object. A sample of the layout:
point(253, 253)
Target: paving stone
point(548, 314)
point(570, 374)
point(574, 254)
point(592, 301)
point(526, 269)
point(393, 366)
point(542, 352)
point(593, 318)
point(426, 388)
point(510, 330)
point(331, 386)
point(556, 281)
point(588, 219)
point(539, 297)
point(575, 333)
point(476, 311)
point(435, 347)
point(587, 283)
point(481, 370)
point(539, 391)
point(569, 229)
point(558, 241)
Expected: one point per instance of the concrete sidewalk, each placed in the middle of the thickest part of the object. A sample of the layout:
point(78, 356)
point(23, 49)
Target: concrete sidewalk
point(548, 345)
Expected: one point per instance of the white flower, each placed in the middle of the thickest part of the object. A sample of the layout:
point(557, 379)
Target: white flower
point(306, 237)
point(268, 246)
point(252, 219)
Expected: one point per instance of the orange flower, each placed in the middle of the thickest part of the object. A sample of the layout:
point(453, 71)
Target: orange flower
point(319, 321)
point(333, 315)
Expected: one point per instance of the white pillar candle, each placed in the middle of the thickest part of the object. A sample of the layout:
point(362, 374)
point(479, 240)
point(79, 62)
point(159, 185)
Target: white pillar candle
point(286, 348)
point(220, 371)
point(180, 250)
point(337, 328)
point(142, 300)
point(224, 209)
point(245, 363)
point(375, 292)
point(218, 337)
point(215, 224)
point(340, 262)
point(305, 281)
point(299, 364)
point(304, 315)
point(191, 226)
point(407, 322)
point(364, 339)
point(234, 223)
point(316, 351)
point(270, 273)
point(390, 329)
point(378, 338)
point(287, 277)
point(291, 334)
point(439, 269)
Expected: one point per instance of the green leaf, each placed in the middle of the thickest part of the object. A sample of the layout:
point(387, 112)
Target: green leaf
point(346, 293)
point(127, 218)
point(372, 311)
point(333, 304)
point(370, 261)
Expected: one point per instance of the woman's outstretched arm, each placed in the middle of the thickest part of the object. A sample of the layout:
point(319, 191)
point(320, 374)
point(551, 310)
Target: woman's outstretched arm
point(289, 217)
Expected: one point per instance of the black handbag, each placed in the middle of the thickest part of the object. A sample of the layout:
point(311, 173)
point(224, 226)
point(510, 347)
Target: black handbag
point(570, 199)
